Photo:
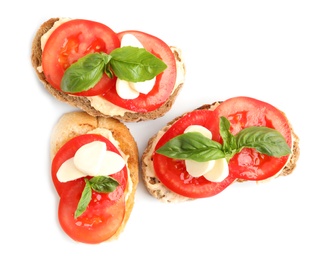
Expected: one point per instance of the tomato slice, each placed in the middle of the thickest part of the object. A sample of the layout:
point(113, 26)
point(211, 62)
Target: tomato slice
point(68, 150)
point(98, 223)
point(172, 173)
point(243, 112)
point(165, 81)
point(73, 40)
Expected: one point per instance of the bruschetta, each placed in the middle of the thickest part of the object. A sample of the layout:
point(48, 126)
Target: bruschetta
point(94, 170)
point(129, 75)
point(202, 152)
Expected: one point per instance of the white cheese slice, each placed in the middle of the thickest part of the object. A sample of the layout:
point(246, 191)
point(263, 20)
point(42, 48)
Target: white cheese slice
point(200, 129)
point(219, 172)
point(197, 169)
point(131, 90)
point(130, 40)
point(88, 158)
point(143, 87)
point(111, 163)
point(68, 171)
point(125, 90)
point(91, 159)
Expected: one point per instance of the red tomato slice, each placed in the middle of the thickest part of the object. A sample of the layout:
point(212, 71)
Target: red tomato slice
point(165, 81)
point(98, 223)
point(68, 150)
point(243, 112)
point(105, 212)
point(172, 173)
point(73, 40)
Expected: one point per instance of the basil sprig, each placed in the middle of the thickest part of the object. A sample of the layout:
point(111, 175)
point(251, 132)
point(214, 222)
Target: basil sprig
point(127, 63)
point(197, 147)
point(101, 184)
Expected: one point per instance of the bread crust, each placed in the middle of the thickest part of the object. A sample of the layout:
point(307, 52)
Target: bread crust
point(77, 123)
point(162, 193)
point(84, 103)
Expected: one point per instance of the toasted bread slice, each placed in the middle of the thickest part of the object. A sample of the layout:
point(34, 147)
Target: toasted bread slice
point(77, 123)
point(93, 105)
point(162, 193)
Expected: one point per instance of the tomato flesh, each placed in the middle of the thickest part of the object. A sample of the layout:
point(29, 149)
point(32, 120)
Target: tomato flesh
point(165, 81)
point(105, 212)
point(73, 40)
point(172, 173)
point(98, 223)
point(243, 112)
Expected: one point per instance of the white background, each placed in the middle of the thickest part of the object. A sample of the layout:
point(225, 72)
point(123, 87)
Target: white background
point(268, 50)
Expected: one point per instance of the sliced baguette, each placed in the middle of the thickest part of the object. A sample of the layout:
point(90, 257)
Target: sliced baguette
point(77, 123)
point(85, 103)
point(162, 193)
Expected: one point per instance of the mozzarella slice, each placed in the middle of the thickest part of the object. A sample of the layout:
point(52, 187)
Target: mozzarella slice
point(124, 89)
point(200, 129)
point(143, 87)
point(68, 171)
point(197, 169)
point(219, 172)
point(111, 163)
point(130, 40)
point(91, 159)
point(88, 158)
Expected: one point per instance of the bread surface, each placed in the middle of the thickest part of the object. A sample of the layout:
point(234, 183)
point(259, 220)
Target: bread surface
point(84, 103)
point(77, 123)
point(162, 193)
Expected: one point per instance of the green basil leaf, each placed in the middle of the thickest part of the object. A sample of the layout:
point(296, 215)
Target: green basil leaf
point(84, 200)
point(229, 140)
point(265, 140)
point(108, 71)
point(192, 145)
point(85, 73)
point(103, 183)
point(135, 64)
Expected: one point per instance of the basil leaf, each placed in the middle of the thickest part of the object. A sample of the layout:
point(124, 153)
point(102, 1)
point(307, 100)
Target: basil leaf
point(135, 64)
point(84, 200)
point(128, 63)
point(85, 73)
point(229, 141)
point(103, 184)
point(192, 145)
point(197, 147)
point(108, 71)
point(265, 140)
